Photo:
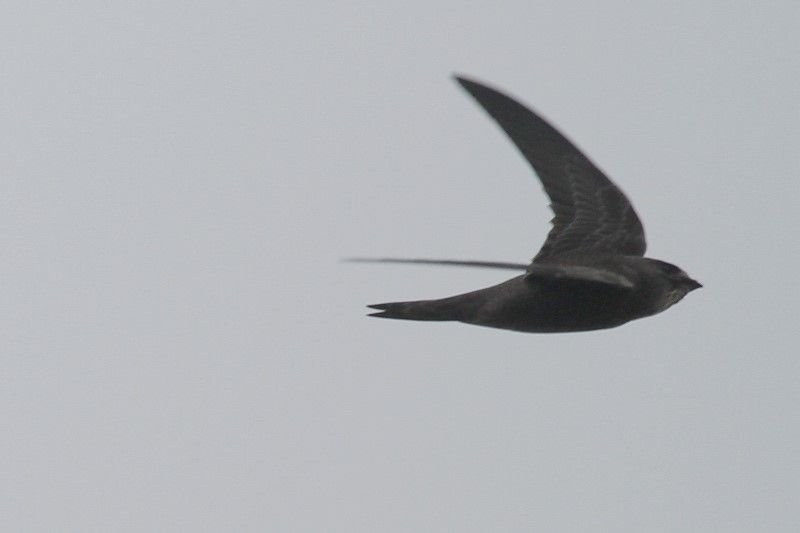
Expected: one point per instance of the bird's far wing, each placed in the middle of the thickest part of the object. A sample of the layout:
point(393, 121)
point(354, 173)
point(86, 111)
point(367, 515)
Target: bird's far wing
point(591, 213)
point(557, 273)
point(446, 262)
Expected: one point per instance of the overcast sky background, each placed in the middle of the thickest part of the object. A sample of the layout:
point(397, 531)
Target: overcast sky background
point(182, 349)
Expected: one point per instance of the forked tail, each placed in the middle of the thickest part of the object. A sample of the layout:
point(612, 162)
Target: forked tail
point(419, 310)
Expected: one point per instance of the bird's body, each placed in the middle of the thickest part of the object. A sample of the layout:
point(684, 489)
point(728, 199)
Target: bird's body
point(590, 273)
point(553, 304)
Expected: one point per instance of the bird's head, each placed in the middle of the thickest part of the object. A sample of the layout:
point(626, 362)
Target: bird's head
point(680, 284)
point(676, 276)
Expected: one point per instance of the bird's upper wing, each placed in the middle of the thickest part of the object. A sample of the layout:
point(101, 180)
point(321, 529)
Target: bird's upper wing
point(591, 213)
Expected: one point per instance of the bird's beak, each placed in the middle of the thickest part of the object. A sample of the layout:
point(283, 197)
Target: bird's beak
point(692, 284)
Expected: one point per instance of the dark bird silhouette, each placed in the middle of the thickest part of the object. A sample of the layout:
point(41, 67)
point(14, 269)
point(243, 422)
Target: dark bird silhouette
point(590, 273)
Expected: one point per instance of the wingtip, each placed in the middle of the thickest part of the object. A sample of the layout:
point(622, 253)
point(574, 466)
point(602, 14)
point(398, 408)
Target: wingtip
point(474, 87)
point(464, 81)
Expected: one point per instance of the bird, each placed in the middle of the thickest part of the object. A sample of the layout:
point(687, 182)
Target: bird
point(590, 273)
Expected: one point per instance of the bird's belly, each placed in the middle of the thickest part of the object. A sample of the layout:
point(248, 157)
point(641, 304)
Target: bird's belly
point(535, 309)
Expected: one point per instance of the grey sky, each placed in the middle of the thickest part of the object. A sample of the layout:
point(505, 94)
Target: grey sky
point(183, 351)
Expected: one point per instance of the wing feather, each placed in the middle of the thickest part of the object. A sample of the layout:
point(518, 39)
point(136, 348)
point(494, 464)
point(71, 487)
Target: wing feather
point(591, 213)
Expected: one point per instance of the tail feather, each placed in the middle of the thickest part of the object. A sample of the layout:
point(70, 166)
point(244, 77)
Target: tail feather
point(419, 310)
